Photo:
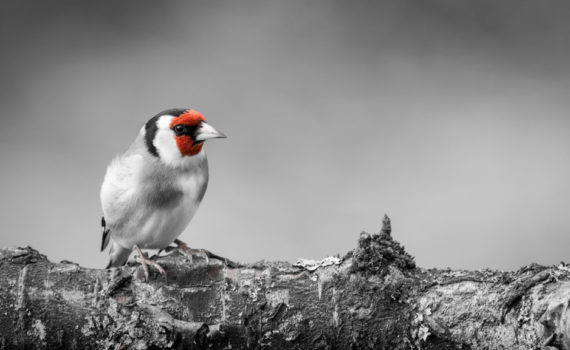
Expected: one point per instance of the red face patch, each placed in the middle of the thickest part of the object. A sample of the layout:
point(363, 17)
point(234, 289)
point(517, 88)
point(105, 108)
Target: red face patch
point(190, 117)
point(185, 143)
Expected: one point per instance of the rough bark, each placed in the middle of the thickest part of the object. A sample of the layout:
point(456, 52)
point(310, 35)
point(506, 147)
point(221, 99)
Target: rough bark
point(372, 298)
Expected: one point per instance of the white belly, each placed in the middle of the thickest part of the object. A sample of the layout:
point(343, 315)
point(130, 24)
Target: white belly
point(156, 228)
point(163, 226)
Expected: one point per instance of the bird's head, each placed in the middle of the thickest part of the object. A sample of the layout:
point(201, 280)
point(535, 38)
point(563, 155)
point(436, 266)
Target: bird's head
point(175, 135)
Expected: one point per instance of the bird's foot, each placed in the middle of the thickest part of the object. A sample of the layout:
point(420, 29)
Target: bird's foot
point(205, 254)
point(145, 261)
point(189, 252)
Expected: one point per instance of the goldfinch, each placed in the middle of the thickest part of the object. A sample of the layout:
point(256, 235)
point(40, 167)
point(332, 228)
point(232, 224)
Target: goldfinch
point(151, 192)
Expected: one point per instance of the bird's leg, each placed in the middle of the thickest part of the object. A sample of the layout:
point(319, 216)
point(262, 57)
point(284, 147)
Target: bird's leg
point(145, 261)
point(189, 252)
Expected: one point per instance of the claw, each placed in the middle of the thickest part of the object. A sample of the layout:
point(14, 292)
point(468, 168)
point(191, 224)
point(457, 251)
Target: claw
point(190, 252)
point(145, 261)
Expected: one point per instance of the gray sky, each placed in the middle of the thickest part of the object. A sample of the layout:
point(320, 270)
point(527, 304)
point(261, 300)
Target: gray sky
point(450, 116)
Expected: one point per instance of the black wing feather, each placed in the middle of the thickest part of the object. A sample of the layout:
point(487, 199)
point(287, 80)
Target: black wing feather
point(106, 236)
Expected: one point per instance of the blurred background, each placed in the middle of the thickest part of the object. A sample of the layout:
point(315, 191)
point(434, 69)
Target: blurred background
point(450, 116)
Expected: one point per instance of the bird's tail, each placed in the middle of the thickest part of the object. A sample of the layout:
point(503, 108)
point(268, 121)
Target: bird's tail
point(118, 255)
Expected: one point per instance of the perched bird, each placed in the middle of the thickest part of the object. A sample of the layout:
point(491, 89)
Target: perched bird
point(151, 192)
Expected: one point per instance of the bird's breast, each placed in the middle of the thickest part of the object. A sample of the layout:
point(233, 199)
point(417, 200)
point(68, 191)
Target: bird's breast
point(165, 209)
point(177, 207)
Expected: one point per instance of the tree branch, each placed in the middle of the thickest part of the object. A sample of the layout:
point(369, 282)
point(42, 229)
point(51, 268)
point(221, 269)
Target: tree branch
point(373, 298)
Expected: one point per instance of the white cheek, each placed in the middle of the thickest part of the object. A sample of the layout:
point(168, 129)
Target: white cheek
point(165, 142)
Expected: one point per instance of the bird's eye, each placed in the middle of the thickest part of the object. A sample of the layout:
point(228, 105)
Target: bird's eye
point(179, 129)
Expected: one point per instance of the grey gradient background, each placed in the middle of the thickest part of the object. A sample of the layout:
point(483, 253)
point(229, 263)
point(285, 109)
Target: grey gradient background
point(450, 116)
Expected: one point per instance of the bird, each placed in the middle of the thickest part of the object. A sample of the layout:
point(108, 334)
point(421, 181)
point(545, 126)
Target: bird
point(151, 191)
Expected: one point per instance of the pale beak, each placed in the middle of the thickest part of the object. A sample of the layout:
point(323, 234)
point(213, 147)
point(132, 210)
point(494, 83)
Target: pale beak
point(206, 131)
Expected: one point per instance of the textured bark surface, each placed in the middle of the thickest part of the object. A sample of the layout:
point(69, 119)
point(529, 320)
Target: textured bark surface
point(372, 298)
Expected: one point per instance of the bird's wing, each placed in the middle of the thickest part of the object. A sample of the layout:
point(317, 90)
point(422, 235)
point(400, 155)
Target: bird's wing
point(105, 237)
point(118, 191)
